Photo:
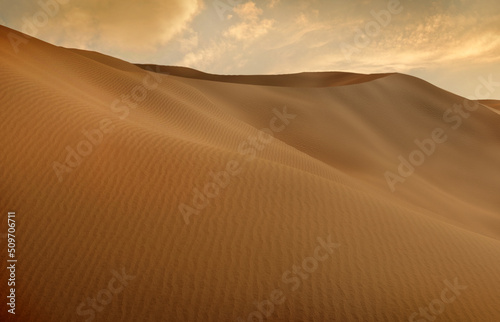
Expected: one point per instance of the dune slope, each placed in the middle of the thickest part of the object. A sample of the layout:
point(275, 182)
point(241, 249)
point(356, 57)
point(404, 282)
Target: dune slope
point(167, 194)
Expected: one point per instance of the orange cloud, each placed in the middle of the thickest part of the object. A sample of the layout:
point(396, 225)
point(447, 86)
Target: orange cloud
point(252, 26)
point(118, 24)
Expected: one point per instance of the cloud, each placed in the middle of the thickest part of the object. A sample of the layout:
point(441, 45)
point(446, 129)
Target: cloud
point(189, 41)
point(252, 26)
point(117, 24)
point(241, 34)
point(249, 30)
point(207, 56)
point(273, 3)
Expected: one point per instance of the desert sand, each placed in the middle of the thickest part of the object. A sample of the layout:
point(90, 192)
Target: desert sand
point(163, 173)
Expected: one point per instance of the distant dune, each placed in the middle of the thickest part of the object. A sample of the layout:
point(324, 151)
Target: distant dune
point(164, 173)
point(491, 103)
point(319, 79)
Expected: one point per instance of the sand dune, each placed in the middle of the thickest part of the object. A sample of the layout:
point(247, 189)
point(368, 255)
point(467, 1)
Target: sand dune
point(156, 193)
point(318, 79)
point(494, 104)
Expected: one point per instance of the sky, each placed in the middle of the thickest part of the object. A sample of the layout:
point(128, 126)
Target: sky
point(450, 43)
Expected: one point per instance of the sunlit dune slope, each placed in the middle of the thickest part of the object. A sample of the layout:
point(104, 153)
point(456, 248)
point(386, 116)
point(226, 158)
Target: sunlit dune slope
point(216, 194)
point(495, 104)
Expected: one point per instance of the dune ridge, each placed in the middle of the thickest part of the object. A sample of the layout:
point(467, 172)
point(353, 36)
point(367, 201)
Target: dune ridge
point(162, 134)
point(306, 79)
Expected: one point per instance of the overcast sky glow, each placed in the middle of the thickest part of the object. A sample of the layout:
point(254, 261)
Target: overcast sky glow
point(449, 43)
